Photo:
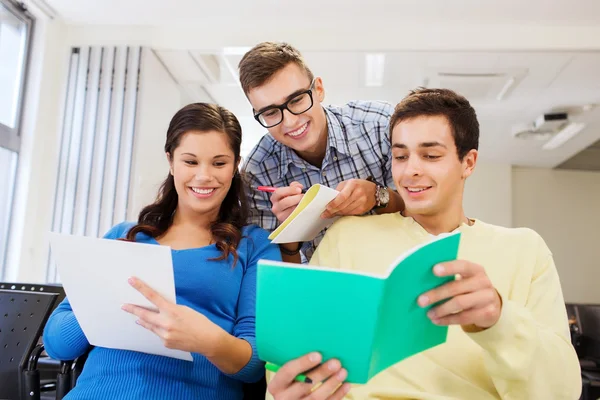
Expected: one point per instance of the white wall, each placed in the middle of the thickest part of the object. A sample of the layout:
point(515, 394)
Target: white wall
point(488, 194)
point(158, 100)
point(564, 208)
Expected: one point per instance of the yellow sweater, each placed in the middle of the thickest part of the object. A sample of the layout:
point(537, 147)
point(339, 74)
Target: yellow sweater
point(526, 355)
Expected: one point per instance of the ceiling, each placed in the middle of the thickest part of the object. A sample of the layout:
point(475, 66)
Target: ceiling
point(466, 45)
point(586, 160)
point(542, 82)
point(160, 12)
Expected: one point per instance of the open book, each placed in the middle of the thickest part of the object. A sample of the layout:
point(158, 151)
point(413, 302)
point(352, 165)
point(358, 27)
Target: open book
point(366, 321)
point(305, 222)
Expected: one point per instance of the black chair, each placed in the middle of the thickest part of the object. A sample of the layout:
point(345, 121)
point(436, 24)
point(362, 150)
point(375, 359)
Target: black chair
point(23, 316)
point(588, 319)
point(585, 335)
point(49, 368)
point(256, 390)
point(36, 287)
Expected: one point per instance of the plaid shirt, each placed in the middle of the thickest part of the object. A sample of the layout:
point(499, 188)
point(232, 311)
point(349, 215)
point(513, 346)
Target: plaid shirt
point(358, 147)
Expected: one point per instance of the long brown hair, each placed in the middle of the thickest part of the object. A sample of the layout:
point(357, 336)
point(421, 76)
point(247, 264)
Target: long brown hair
point(156, 218)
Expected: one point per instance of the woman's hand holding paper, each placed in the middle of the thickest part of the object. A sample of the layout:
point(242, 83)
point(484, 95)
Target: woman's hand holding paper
point(179, 327)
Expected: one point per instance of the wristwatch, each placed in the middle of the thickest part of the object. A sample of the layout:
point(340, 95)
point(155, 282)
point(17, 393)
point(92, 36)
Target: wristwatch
point(382, 195)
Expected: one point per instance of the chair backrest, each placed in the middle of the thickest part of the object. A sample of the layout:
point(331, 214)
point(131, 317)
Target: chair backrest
point(588, 317)
point(256, 390)
point(36, 287)
point(23, 316)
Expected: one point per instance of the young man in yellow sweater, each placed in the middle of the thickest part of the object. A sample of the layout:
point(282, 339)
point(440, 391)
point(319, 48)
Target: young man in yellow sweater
point(508, 331)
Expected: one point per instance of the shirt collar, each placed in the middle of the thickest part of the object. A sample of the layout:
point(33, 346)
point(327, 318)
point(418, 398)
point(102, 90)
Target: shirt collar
point(336, 134)
point(289, 156)
point(335, 138)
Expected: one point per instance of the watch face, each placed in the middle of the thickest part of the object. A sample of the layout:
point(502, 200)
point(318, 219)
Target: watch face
point(384, 196)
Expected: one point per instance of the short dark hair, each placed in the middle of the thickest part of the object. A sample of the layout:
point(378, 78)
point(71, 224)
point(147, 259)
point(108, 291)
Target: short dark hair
point(442, 102)
point(264, 60)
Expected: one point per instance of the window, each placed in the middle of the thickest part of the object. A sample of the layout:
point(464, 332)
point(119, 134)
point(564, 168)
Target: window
point(97, 140)
point(15, 32)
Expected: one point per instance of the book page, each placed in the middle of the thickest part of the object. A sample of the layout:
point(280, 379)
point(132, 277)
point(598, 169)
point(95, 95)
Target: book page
point(303, 310)
point(305, 222)
point(94, 274)
point(400, 315)
point(409, 252)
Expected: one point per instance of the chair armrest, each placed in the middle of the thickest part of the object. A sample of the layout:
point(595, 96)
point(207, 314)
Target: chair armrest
point(31, 375)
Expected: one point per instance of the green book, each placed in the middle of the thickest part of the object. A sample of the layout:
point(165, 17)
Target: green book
point(368, 322)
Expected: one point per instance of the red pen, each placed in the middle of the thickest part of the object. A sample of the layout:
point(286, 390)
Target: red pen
point(271, 189)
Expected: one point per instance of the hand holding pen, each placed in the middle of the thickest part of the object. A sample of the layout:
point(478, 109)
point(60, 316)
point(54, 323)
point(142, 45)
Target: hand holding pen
point(272, 189)
point(284, 199)
point(290, 381)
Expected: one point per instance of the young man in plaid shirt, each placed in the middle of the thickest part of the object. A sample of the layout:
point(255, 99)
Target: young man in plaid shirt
point(345, 147)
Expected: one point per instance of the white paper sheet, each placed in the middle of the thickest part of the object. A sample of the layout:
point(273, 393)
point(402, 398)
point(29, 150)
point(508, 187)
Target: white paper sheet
point(307, 224)
point(94, 274)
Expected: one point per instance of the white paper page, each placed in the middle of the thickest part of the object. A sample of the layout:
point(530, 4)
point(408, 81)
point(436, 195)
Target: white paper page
point(308, 223)
point(94, 274)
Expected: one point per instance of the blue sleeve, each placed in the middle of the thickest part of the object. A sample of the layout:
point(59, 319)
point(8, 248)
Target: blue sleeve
point(63, 337)
point(119, 231)
point(259, 247)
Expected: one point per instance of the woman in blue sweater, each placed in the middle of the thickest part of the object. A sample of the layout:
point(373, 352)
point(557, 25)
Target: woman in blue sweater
point(201, 213)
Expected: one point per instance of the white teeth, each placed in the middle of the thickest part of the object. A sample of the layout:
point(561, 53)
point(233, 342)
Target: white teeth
point(202, 191)
point(414, 190)
point(299, 131)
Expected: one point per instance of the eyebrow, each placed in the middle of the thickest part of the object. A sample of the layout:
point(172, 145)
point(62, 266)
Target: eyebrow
point(217, 156)
point(291, 96)
point(424, 145)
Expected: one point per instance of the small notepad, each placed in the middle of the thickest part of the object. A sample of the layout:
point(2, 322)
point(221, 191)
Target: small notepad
point(368, 322)
point(305, 222)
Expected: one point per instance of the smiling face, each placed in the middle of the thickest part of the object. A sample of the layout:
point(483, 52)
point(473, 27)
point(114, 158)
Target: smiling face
point(306, 133)
point(426, 167)
point(203, 166)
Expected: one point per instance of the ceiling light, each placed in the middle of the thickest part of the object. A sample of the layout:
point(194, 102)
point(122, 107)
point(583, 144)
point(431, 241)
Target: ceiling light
point(374, 64)
point(509, 83)
point(563, 135)
point(588, 107)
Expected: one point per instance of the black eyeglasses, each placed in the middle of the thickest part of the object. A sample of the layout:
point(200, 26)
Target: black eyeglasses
point(300, 103)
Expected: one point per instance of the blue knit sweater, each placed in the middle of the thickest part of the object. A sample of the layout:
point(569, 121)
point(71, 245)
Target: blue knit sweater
point(223, 294)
